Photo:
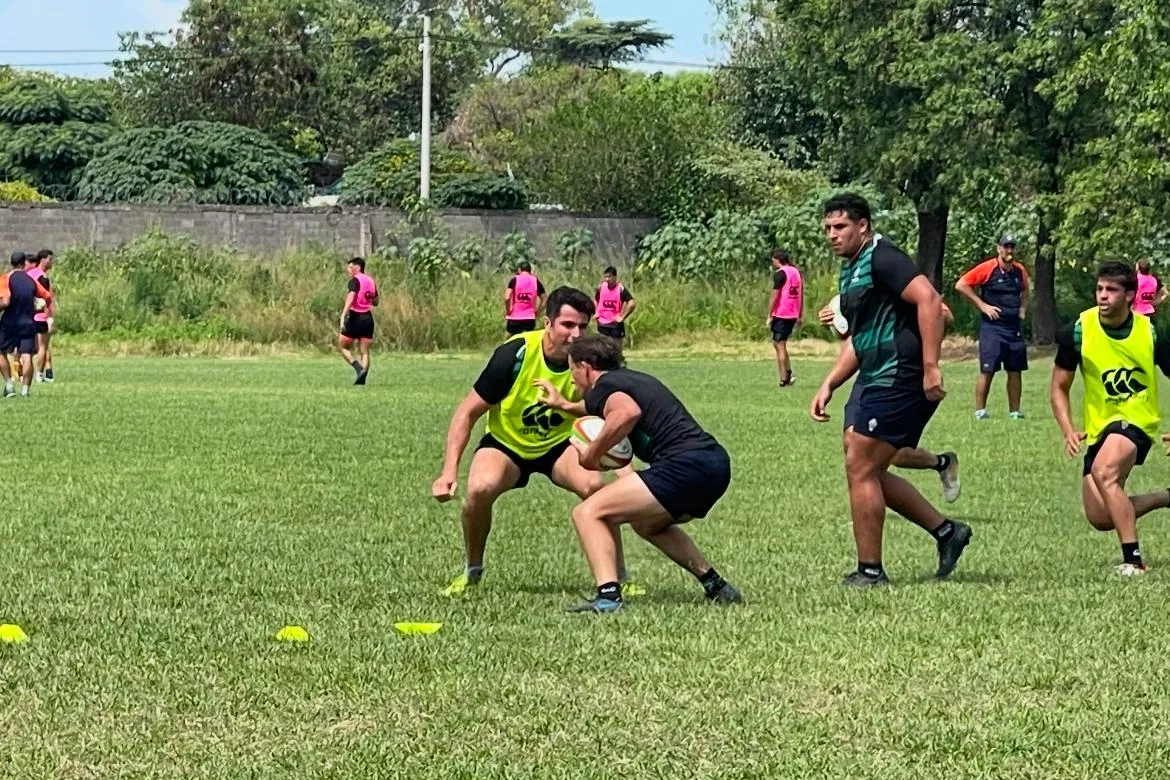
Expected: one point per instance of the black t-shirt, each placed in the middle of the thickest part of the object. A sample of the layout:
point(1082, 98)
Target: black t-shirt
point(665, 428)
point(539, 285)
point(354, 286)
point(779, 279)
point(22, 291)
point(1068, 344)
point(499, 375)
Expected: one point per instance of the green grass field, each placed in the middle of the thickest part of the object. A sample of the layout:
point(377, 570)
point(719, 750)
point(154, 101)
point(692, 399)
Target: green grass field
point(165, 517)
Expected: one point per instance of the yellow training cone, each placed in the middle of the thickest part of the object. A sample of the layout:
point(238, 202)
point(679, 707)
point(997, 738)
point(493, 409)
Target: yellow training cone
point(12, 634)
point(417, 629)
point(292, 634)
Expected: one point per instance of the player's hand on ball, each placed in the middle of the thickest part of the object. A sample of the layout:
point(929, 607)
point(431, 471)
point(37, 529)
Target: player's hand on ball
point(549, 395)
point(1072, 442)
point(820, 404)
point(826, 315)
point(932, 383)
point(443, 489)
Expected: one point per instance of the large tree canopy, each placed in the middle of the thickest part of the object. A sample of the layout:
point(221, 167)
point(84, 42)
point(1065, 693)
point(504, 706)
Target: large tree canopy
point(193, 162)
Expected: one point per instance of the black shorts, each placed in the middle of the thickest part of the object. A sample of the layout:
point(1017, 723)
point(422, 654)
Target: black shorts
point(516, 327)
point(542, 465)
point(23, 342)
point(1120, 428)
point(42, 327)
point(615, 330)
point(689, 484)
point(895, 415)
point(359, 325)
point(782, 329)
point(1001, 348)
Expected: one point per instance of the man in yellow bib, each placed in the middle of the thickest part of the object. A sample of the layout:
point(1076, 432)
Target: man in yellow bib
point(524, 435)
point(1117, 352)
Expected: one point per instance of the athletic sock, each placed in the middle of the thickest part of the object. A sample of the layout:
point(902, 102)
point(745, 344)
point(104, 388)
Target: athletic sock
point(48, 373)
point(873, 570)
point(944, 462)
point(609, 591)
point(943, 531)
point(711, 581)
point(1131, 554)
point(474, 573)
point(357, 366)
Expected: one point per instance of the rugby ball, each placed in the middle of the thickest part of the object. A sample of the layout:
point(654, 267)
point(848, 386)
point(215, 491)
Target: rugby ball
point(586, 429)
point(840, 324)
point(39, 304)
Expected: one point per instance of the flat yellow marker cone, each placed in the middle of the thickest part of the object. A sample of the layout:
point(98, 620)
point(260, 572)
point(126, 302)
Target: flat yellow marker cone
point(417, 629)
point(292, 634)
point(12, 634)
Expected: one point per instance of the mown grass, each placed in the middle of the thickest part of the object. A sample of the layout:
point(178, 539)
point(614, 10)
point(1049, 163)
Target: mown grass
point(166, 517)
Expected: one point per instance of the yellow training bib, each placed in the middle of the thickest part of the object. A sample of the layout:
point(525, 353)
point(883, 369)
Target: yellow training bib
point(1120, 383)
point(521, 422)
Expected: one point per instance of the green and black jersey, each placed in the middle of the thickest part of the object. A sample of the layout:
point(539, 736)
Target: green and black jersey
point(884, 327)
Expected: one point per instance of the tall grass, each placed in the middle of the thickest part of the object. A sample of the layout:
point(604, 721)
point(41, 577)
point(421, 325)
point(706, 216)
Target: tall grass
point(166, 293)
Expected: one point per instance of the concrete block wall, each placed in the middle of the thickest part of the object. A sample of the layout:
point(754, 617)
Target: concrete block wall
point(261, 230)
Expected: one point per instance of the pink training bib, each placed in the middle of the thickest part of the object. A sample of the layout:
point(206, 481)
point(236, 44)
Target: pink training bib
point(1147, 293)
point(523, 297)
point(790, 304)
point(36, 275)
point(367, 292)
point(609, 303)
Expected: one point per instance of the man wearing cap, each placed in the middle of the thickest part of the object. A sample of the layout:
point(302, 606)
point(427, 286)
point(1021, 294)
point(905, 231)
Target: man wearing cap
point(1002, 300)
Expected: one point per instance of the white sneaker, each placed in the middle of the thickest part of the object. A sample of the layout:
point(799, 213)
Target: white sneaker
point(1131, 569)
point(982, 414)
point(951, 484)
point(39, 377)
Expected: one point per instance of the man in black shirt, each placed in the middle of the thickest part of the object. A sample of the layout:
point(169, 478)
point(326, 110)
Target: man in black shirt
point(689, 470)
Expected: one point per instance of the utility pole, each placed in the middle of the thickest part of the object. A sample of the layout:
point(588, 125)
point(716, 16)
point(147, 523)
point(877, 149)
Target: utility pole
point(424, 190)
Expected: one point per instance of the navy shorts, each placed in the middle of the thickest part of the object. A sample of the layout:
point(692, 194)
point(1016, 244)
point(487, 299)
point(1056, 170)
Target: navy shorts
point(782, 329)
point(615, 330)
point(516, 327)
point(690, 483)
point(1120, 428)
point(22, 342)
point(895, 415)
point(358, 325)
point(542, 465)
point(1001, 348)
point(42, 326)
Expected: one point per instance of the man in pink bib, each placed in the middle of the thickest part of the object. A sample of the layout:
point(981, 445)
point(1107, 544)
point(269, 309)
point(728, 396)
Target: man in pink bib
point(357, 319)
point(523, 298)
point(1150, 292)
point(614, 305)
point(786, 309)
point(36, 267)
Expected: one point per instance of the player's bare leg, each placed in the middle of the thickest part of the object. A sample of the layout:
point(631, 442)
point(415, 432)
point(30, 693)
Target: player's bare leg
point(946, 464)
point(491, 475)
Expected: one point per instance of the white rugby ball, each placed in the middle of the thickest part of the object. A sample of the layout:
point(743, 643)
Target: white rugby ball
point(840, 324)
point(586, 429)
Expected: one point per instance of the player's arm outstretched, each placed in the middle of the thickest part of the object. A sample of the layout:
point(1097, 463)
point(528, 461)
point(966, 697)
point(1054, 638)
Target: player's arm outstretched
point(553, 399)
point(470, 409)
point(845, 367)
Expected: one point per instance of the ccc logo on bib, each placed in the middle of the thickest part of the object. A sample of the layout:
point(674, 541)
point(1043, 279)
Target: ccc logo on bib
point(1121, 383)
point(540, 416)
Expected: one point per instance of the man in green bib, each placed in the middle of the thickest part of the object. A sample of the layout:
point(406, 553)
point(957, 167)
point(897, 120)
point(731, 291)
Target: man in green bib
point(524, 435)
point(1117, 352)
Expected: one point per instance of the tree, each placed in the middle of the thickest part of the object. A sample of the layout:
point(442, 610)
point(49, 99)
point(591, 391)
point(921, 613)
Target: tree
point(626, 144)
point(509, 29)
point(389, 175)
point(49, 129)
point(593, 43)
point(904, 93)
point(193, 162)
point(315, 75)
